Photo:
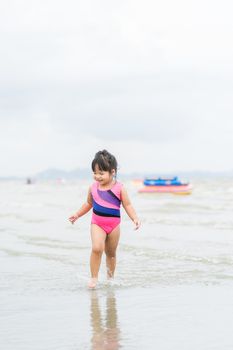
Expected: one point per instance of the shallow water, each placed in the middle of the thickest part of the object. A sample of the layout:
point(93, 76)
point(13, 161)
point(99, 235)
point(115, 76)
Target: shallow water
point(173, 282)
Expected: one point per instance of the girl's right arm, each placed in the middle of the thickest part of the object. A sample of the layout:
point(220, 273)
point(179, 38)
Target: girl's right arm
point(83, 210)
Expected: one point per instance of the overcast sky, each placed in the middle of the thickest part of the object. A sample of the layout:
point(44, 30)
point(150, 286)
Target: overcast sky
point(151, 81)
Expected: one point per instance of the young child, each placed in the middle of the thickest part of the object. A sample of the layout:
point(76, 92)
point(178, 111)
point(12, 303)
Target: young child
point(105, 197)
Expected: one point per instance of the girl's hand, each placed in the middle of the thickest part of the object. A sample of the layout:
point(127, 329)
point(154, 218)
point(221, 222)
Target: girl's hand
point(137, 224)
point(73, 218)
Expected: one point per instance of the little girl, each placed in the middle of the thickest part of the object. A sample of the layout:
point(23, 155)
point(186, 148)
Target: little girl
point(105, 197)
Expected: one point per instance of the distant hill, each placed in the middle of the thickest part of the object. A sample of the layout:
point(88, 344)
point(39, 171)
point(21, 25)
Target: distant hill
point(54, 174)
point(85, 173)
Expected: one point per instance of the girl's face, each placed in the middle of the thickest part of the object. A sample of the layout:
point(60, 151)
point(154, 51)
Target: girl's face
point(103, 177)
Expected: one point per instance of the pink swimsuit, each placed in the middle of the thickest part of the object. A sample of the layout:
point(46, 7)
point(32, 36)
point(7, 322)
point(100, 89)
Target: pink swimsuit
point(106, 206)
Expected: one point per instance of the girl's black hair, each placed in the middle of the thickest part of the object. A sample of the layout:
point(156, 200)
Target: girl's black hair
point(105, 161)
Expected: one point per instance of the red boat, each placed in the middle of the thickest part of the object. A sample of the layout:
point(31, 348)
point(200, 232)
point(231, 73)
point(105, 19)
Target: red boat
point(161, 185)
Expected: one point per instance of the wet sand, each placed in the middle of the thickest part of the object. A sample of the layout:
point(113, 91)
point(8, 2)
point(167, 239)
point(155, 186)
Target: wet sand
point(109, 318)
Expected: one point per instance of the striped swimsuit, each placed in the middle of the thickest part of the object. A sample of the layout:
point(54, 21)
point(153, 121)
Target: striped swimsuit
point(106, 206)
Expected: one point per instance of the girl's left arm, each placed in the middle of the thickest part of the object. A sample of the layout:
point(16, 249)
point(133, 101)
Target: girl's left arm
point(129, 208)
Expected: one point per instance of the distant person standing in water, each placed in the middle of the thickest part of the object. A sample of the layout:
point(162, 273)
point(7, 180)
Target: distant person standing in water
point(105, 196)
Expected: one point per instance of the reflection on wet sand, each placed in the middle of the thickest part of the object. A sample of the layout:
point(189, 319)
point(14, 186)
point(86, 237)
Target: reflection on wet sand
point(105, 328)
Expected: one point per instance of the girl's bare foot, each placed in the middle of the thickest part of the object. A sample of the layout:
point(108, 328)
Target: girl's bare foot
point(92, 283)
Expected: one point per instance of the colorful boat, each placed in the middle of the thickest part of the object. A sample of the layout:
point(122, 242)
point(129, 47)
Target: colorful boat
point(160, 185)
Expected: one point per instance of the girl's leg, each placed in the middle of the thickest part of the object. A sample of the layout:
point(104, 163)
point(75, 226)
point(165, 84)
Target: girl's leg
point(111, 244)
point(98, 237)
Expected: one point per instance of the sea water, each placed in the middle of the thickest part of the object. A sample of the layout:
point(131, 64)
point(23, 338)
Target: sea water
point(174, 276)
